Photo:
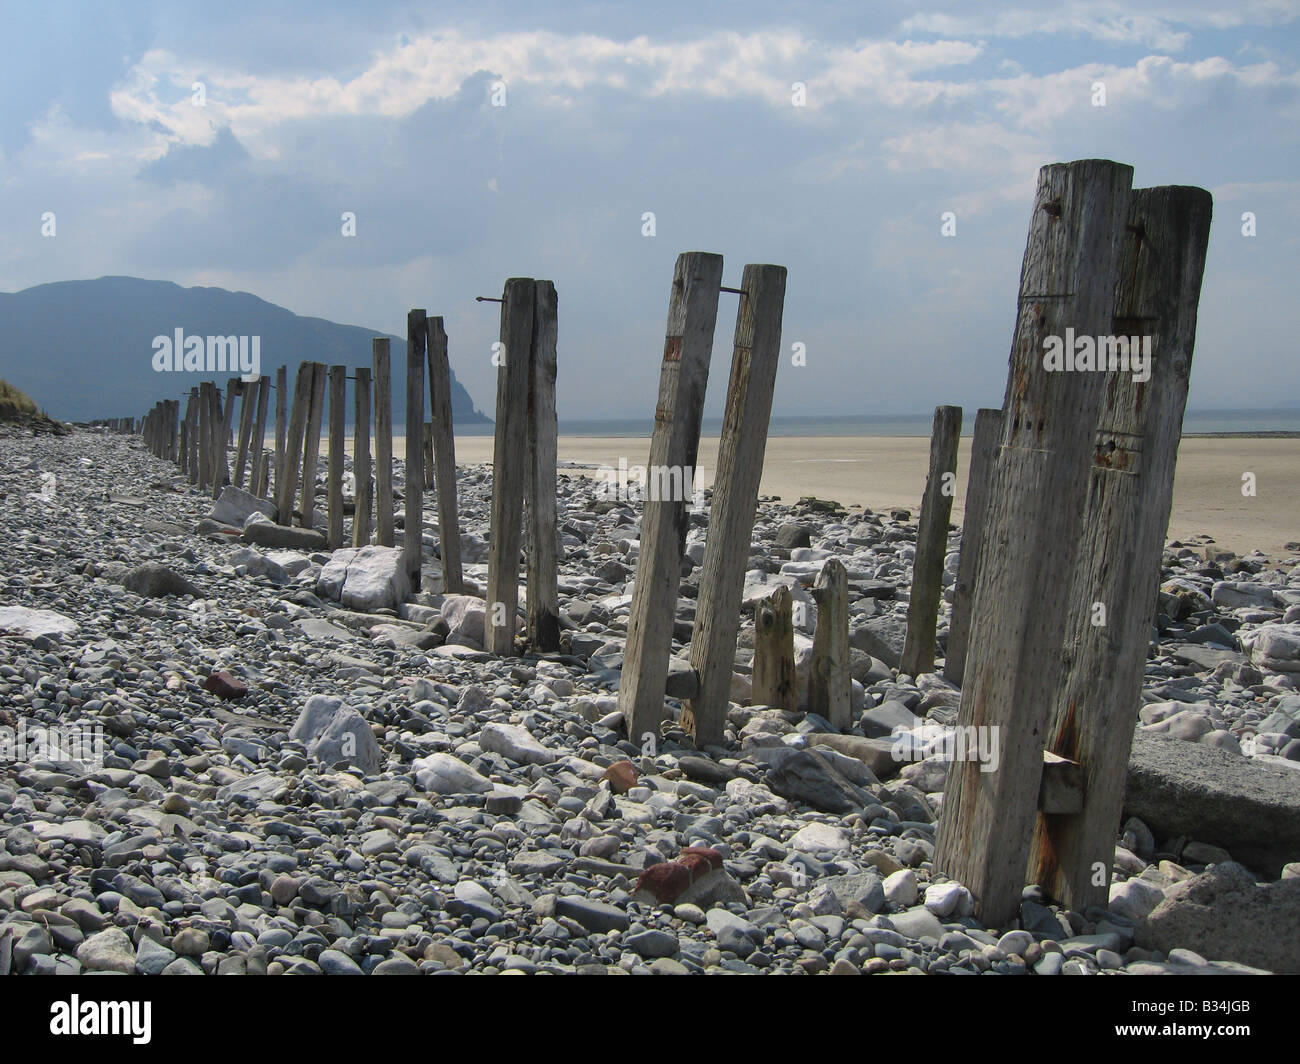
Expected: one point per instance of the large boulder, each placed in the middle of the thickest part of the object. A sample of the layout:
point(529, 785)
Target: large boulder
point(235, 506)
point(1225, 915)
point(466, 617)
point(334, 732)
point(881, 637)
point(802, 776)
point(1211, 795)
point(444, 773)
point(157, 581)
point(1275, 647)
point(365, 578)
point(30, 623)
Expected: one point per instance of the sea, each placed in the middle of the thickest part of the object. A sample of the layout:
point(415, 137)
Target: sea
point(1195, 423)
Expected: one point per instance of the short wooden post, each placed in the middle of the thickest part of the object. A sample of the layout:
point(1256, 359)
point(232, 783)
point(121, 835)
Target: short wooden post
point(509, 454)
point(173, 412)
point(1113, 601)
point(281, 405)
point(361, 523)
point(246, 407)
point(1067, 281)
point(383, 443)
point(735, 498)
point(444, 457)
point(334, 477)
point(683, 374)
point(983, 453)
point(830, 690)
point(311, 444)
point(932, 542)
point(286, 472)
point(543, 564)
point(412, 549)
point(259, 478)
point(774, 682)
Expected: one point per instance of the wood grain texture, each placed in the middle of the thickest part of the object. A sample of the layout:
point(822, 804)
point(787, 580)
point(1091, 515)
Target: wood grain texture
point(543, 613)
point(361, 463)
point(829, 680)
point(383, 442)
point(773, 682)
point(735, 498)
point(286, 474)
point(311, 443)
point(683, 375)
point(1157, 291)
point(1033, 524)
point(281, 425)
point(416, 334)
point(444, 458)
point(338, 386)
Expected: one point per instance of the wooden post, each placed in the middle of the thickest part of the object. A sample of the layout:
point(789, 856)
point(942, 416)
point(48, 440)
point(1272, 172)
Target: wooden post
point(259, 477)
point(683, 374)
point(830, 682)
point(543, 565)
point(383, 444)
point(246, 405)
point(281, 404)
point(200, 476)
point(1113, 601)
point(932, 542)
point(286, 472)
point(223, 444)
point(311, 444)
point(427, 453)
point(444, 457)
point(1034, 516)
point(216, 448)
point(183, 458)
point(412, 550)
point(508, 463)
point(983, 453)
point(334, 482)
point(361, 524)
point(735, 498)
point(774, 682)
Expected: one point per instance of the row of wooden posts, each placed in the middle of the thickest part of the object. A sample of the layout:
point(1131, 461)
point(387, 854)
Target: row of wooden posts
point(1067, 503)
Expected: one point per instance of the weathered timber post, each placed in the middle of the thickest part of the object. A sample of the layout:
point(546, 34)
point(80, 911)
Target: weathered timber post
point(281, 405)
point(286, 472)
point(259, 477)
point(830, 683)
point(774, 682)
point(508, 463)
point(192, 415)
point(334, 476)
point(983, 453)
point(932, 542)
point(735, 498)
point(416, 330)
point(543, 564)
point(246, 407)
point(1034, 515)
point(1157, 289)
point(200, 477)
point(383, 443)
point(223, 449)
point(311, 444)
point(216, 448)
point(183, 458)
point(361, 461)
point(444, 458)
point(684, 372)
point(426, 453)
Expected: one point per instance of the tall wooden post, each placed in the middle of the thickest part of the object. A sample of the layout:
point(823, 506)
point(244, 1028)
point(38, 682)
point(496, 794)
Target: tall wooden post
point(416, 330)
point(543, 564)
point(383, 443)
point(223, 449)
point(286, 473)
point(426, 453)
point(983, 452)
point(444, 457)
point(1113, 599)
point(183, 458)
point(1033, 530)
point(361, 466)
point(258, 478)
point(246, 407)
point(281, 404)
point(216, 445)
point(774, 682)
point(205, 437)
point(334, 482)
point(735, 498)
point(683, 374)
point(311, 443)
point(508, 463)
point(830, 682)
point(932, 542)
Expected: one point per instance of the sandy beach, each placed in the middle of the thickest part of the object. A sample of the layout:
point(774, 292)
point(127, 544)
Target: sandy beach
point(880, 472)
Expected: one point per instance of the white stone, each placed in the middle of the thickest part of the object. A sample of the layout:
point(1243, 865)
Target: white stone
point(1135, 898)
point(515, 743)
point(365, 578)
point(444, 773)
point(901, 888)
point(236, 505)
point(31, 623)
point(948, 899)
point(812, 838)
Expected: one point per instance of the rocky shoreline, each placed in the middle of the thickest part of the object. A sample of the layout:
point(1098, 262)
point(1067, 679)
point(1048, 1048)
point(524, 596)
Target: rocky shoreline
point(303, 775)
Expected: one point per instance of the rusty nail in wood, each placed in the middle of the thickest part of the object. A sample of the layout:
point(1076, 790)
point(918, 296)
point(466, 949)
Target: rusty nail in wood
point(487, 299)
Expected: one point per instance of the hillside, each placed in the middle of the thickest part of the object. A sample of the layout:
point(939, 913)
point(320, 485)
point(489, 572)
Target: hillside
point(84, 349)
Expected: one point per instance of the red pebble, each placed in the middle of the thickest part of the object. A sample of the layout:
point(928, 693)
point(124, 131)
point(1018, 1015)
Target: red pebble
point(224, 685)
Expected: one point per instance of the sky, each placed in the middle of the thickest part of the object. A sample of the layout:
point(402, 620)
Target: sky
point(222, 144)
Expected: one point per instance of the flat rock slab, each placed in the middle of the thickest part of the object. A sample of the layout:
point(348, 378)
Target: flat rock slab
point(1211, 795)
point(31, 623)
point(1201, 656)
point(265, 534)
